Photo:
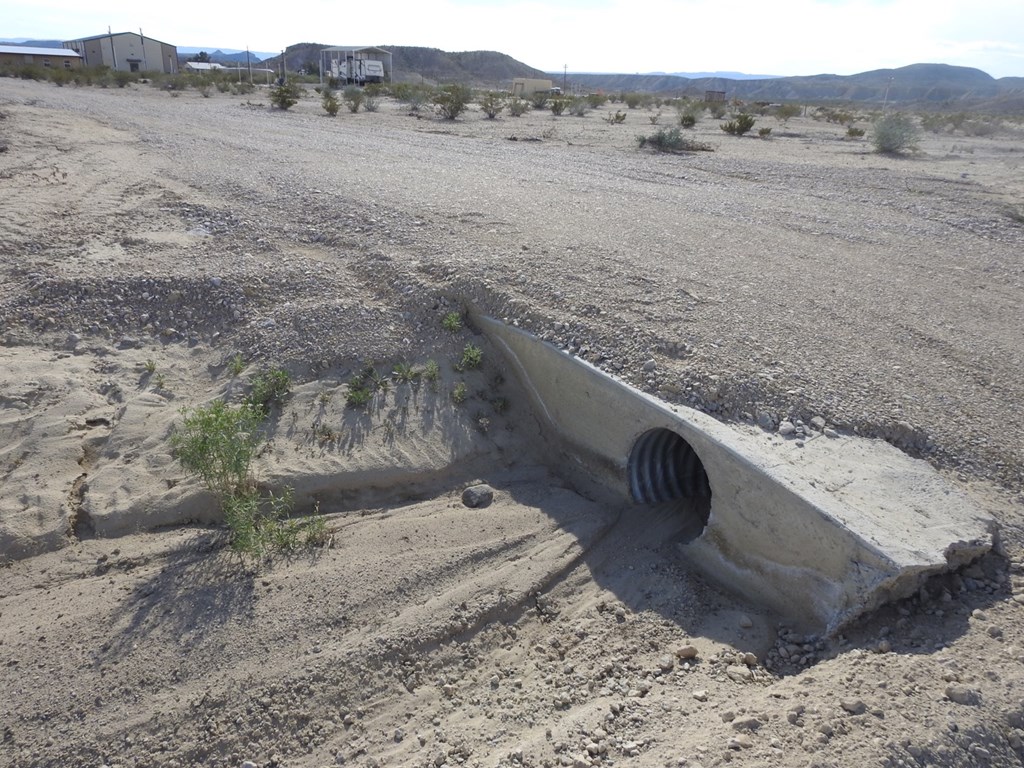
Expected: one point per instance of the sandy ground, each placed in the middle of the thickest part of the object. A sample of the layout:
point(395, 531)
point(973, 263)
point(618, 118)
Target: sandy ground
point(766, 280)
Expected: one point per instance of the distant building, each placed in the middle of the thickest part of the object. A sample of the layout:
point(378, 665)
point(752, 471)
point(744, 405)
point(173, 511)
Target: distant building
point(714, 96)
point(126, 52)
point(12, 55)
point(525, 87)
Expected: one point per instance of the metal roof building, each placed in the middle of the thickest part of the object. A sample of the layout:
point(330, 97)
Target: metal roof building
point(13, 55)
point(126, 52)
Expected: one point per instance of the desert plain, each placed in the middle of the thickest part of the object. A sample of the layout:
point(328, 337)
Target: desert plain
point(148, 240)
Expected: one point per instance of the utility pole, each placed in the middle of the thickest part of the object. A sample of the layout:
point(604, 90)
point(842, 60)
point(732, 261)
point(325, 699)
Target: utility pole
point(142, 42)
point(248, 65)
point(565, 77)
point(885, 101)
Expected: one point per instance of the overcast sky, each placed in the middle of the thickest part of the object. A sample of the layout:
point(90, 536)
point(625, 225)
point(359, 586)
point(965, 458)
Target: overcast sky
point(785, 37)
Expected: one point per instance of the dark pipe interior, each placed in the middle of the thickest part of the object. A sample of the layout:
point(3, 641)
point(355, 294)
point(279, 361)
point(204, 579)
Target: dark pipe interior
point(662, 468)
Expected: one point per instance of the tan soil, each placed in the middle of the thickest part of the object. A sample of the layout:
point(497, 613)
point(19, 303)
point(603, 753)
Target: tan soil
point(786, 278)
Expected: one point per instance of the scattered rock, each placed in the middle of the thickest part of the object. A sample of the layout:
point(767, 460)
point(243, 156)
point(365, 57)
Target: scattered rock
point(739, 674)
point(854, 706)
point(787, 428)
point(686, 652)
point(961, 694)
point(477, 496)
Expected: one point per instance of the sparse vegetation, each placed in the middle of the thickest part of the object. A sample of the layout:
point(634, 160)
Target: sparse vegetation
point(517, 107)
point(617, 119)
point(557, 106)
point(269, 389)
point(459, 393)
point(353, 98)
point(764, 133)
point(472, 357)
point(491, 103)
point(218, 443)
point(452, 322)
point(854, 133)
point(739, 125)
point(149, 366)
point(432, 373)
point(785, 112)
point(286, 95)
point(450, 101)
point(539, 100)
point(579, 107)
point(330, 103)
point(670, 140)
point(596, 100)
point(895, 133)
point(236, 365)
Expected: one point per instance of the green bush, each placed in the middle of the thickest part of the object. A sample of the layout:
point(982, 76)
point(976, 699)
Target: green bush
point(517, 107)
point(286, 95)
point(330, 103)
point(670, 140)
point(218, 443)
point(579, 107)
point(450, 101)
point(633, 100)
point(472, 357)
point(596, 100)
point(895, 133)
point(785, 112)
point(557, 106)
point(740, 125)
point(268, 389)
point(353, 98)
point(539, 100)
point(452, 322)
point(764, 133)
point(492, 103)
point(617, 119)
point(716, 110)
point(854, 133)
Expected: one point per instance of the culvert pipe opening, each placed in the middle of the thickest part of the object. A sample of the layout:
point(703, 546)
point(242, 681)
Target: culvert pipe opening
point(664, 468)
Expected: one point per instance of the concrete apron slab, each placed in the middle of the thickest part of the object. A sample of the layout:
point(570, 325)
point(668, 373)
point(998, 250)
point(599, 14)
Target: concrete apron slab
point(820, 533)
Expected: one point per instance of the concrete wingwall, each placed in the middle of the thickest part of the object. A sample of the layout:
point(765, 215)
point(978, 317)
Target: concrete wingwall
point(819, 530)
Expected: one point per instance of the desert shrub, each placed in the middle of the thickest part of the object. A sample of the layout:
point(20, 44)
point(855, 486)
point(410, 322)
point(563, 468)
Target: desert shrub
point(517, 107)
point(854, 133)
point(242, 89)
point(374, 90)
point(740, 125)
point(596, 100)
point(223, 86)
point(784, 112)
point(452, 322)
point(633, 100)
point(894, 133)
point(557, 106)
point(617, 119)
point(492, 103)
point(330, 102)
point(764, 133)
point(286, 95)
point(269, 388)
point(539, 100)
point(459, 393)
point(370, 103)
point(218, 443)
point(450, 101)
point(981, 127)
point(353, 98)
point(716, 110)
point(670, 140)
point(687, 120)
point(412, 96)
point(472, 357)
point(60, 76)
point(579, 107)
point(653, 119)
